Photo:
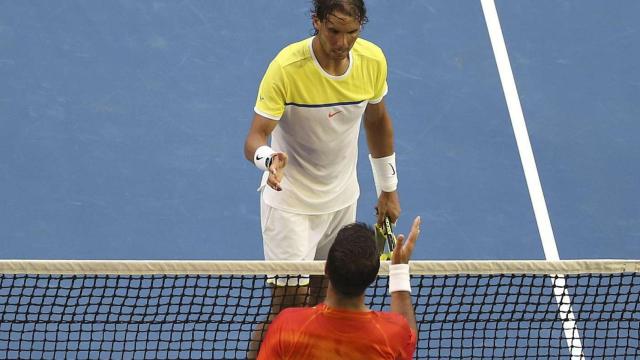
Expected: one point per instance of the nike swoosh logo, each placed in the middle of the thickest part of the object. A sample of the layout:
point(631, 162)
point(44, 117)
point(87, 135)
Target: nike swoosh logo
point(334, 114)
point(392, 169)
point(262, 157)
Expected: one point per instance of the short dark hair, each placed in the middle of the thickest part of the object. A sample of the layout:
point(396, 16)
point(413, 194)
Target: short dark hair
point(353, 261)
point(354, 8)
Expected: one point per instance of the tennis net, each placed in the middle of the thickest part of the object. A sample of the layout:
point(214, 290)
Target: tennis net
point(208, 309)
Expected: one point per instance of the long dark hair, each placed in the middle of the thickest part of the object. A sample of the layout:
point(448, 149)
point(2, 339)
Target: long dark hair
point(354, 8)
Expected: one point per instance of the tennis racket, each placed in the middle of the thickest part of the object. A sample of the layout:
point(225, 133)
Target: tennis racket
point(385, 236)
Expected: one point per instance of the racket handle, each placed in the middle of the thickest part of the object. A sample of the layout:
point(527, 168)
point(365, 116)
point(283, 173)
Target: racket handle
point(389, 232)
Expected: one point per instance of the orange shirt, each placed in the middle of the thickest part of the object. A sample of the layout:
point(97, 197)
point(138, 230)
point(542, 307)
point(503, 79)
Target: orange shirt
point(321, 332)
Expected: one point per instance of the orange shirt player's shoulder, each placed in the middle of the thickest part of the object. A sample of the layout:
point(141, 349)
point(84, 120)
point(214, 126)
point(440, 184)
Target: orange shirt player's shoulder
point(325, 333)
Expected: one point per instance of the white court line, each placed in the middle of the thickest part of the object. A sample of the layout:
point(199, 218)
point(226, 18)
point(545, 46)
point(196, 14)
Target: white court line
point(531, 174)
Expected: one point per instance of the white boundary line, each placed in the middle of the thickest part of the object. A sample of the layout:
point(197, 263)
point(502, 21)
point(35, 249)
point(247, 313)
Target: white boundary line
point(520, 131)
point(531, 174)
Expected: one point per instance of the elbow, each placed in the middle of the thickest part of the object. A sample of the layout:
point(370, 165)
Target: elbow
point(247, 151)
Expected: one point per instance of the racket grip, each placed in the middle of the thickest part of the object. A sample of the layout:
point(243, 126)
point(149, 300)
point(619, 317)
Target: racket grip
point(389, 232)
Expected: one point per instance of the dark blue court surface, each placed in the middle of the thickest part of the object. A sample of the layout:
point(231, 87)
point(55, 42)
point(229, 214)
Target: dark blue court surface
point(122, 125)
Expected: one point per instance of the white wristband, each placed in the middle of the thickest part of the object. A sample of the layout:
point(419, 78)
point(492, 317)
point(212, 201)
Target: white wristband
point(263, 156)
point(399, 278)
point(385, 175)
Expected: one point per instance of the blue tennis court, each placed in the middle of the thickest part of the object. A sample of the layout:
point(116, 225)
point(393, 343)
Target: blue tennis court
point(122, 123)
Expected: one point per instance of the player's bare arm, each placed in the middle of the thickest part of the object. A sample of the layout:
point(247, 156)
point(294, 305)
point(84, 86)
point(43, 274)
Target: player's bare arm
point(401, 300)
point(259, 133)
point(379, 130)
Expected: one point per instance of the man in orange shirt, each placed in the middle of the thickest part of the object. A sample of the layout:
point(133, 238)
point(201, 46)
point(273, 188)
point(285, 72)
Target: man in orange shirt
point(343, 327)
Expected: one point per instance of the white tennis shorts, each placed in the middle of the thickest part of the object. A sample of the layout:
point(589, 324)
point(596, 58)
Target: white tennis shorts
point(300, 237)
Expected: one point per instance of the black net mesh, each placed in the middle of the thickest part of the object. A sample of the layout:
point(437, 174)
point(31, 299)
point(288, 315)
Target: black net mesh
point(500, 316)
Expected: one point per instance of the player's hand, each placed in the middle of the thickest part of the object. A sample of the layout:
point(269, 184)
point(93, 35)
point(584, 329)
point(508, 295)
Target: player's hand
point(404, 247)
point(388, 205)
point(276, 170)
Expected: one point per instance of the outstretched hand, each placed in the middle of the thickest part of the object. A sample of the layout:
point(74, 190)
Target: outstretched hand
point(404, 247)
point(276, 170)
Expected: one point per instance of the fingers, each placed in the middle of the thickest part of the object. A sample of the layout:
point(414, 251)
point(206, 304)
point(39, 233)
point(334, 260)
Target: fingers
point(284, 158)
point(276, 172)
point(415, 229)
point(380, 215)
point(413, 235)
point(273, 183)
point(404, 246)
point(382, 211)
point(278, 162)
point(399, 256)
point(393, 211)
point(399, 242)
point(388, 205)
point(274, 180)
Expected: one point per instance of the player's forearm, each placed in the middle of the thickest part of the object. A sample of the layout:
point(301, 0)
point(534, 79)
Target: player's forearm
point(259, 133)
point(379, 135)
point(401, 304)
point(252, 143)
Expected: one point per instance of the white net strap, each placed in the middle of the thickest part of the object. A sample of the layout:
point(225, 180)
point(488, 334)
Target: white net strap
point(143, 267)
